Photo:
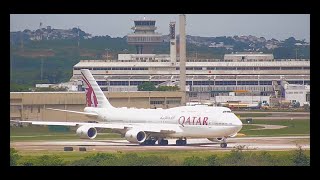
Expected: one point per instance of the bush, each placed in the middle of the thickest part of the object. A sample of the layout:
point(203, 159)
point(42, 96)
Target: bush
point(300, 158)
point(126, 159)
point(259, 159)
point(14, 157)
point(99, 159)
point(194, 161)
point(155, 161)
point(45, 160)
point(212, 160)
point(147, 86)
point(235, 157)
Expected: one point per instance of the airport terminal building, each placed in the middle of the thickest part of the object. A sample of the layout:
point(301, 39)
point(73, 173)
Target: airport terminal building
point(254, 74)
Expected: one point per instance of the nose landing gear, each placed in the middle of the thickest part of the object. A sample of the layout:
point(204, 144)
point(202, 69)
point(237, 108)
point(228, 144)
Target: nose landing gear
point(224, 143)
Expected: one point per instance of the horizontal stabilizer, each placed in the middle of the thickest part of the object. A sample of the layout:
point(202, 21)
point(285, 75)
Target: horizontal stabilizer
point(77, 112)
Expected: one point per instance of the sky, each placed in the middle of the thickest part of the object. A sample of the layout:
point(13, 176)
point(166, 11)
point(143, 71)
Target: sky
point(278, 26)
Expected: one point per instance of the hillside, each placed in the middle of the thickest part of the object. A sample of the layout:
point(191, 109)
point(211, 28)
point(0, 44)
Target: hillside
point(58, 56)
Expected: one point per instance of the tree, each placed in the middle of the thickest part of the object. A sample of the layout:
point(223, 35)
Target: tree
point(147, 86)
point(49, 89)
point(300, 158)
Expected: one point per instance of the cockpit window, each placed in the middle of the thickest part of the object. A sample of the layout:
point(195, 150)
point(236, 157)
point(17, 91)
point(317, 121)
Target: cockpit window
point(226, 112)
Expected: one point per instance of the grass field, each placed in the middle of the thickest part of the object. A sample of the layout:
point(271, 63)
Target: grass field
point(294, 127)
point(254, 114)
point(43, 133)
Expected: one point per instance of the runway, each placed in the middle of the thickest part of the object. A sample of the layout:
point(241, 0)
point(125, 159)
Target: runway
point(249, 143)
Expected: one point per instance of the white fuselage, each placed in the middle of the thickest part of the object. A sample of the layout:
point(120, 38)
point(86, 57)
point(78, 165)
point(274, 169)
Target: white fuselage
point(195, 121)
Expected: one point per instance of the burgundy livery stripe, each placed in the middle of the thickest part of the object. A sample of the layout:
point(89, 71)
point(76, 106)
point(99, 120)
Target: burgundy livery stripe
point(85, 79)
point(89, 92)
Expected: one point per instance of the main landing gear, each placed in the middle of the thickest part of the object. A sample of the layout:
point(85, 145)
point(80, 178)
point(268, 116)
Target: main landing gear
point(181, 142)
point(149, 142)
point(152, 142)
point(162, 142)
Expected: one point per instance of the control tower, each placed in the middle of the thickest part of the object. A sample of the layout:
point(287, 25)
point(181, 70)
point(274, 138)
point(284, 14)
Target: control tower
point(144, 36)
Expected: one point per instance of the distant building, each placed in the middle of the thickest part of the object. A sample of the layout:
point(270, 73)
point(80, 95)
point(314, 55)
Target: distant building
point(43, 85)
point(249, 57)
point(221, 45)
point(297, 93)
point(144, 36)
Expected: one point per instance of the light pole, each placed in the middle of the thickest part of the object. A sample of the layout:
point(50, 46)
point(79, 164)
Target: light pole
point(196, 55)
point(107, 49)
point(41, 69)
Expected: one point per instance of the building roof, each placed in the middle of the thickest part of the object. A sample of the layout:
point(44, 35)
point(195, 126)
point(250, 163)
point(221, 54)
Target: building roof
point(192, 64)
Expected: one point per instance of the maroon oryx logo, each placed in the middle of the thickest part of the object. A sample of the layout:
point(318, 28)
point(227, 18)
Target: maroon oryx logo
point(91, 98)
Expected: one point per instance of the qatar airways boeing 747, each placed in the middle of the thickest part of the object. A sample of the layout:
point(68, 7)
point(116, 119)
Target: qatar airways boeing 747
point(148, 126)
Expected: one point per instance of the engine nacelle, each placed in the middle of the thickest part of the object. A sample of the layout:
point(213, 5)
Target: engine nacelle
point(135, 136)
point(215, 139)
point(87, 132)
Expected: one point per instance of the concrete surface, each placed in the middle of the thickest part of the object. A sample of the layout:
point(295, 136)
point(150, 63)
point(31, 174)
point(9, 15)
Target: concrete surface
point(250, 143)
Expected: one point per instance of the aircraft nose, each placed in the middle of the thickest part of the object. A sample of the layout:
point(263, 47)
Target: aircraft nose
point(238, 123)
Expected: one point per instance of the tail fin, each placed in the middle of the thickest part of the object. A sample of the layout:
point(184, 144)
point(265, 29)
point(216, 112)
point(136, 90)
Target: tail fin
point(94, 95)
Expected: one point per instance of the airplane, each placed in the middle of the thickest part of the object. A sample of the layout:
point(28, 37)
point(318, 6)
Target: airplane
point(148, 126)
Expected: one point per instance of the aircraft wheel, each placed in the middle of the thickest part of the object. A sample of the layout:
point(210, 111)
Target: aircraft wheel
point(165, 142)
point(152, 142)
point(223, 145)
point(178, 142)
point(184, 142)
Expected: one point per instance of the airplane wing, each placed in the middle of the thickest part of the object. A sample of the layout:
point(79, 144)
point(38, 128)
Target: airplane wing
point(77, 112)
point(152, 128)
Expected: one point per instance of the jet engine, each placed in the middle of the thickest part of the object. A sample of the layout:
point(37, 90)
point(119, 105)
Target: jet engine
point(87, 132)
point(215, 139)
point(135, 136)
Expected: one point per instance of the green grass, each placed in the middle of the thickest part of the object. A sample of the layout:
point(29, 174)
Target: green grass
point(294, 127)
point(62, 137)
point(253, 114)
point(248, 128)
point(32, 133)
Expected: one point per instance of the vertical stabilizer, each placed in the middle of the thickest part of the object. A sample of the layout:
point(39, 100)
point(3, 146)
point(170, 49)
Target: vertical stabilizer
point(94, 95)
